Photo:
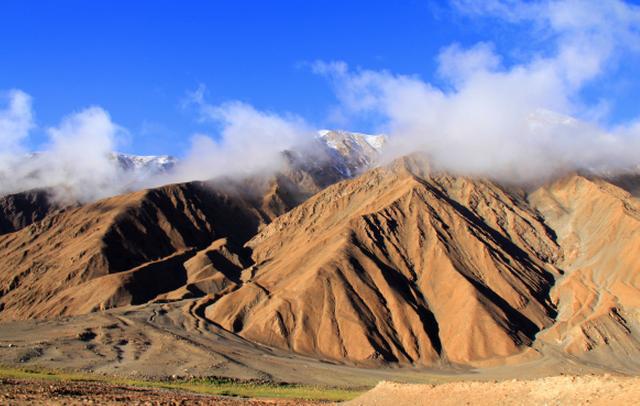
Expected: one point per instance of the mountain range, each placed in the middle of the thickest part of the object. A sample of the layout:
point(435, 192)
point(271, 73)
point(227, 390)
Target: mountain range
point(346, 260)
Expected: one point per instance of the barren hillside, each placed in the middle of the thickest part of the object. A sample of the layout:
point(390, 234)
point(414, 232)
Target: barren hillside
point(401, 265)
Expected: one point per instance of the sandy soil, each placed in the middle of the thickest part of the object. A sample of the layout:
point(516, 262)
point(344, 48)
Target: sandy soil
point(559, 390)
point(30, 392)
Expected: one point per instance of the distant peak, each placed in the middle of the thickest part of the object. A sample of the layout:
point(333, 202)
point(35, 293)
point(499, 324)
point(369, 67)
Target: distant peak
point(333, 137)
point(151, 163)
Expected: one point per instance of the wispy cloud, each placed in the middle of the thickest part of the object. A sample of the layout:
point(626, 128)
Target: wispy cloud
point(16, 120)
point(75, 162)
point(511, 122)
point(249, 142)
point(588, 35)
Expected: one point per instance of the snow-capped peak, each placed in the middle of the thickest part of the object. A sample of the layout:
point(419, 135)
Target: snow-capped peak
point(144, 163)
point(376, 141)
point(333, 137)
point(354, 152)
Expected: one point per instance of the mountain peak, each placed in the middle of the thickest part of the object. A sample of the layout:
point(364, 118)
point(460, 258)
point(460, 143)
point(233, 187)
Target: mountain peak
point(146, 163)
point(334, 137)
point(356, 151)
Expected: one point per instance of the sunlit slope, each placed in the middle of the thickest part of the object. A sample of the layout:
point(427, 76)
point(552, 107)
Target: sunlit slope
point(598, 228)
point(399, 265)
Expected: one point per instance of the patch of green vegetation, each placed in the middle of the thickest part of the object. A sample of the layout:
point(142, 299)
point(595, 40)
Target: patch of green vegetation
point(211, 386)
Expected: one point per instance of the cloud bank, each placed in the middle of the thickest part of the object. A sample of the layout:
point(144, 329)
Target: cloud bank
point(77, 164)
point(508, 122)
point(249, 142)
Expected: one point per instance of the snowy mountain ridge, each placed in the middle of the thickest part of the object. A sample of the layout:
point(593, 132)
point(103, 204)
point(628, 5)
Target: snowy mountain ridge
point(144, 163)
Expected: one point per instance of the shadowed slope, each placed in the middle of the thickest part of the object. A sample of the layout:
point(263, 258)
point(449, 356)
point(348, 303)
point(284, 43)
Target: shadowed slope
point(135, 247)
point(21, 209)
point(121, 250)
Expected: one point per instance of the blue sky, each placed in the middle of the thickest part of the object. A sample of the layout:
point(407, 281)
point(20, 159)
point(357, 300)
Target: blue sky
point(139, 59)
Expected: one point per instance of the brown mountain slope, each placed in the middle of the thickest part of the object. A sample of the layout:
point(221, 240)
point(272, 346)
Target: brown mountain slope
point(627, 181)
point(121, 250)
point(598, 227)
point(18, 210)
point(136, 247)
point(398, 265)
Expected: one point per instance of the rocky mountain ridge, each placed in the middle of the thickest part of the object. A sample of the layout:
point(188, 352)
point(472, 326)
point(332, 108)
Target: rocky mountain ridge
point(333, 156)
point(400, 265)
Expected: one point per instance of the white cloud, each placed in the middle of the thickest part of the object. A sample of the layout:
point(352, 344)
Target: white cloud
point(587, 34)
point(250, 141)
point(75, 162)
point(78, 154)
point(458, 64)
point(508, 122)
point(16, 120)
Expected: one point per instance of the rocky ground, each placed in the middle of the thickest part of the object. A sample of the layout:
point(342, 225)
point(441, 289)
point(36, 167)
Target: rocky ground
point(35, 392)
point(559, 390)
